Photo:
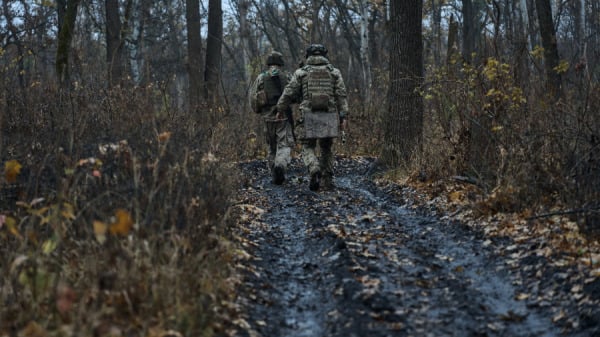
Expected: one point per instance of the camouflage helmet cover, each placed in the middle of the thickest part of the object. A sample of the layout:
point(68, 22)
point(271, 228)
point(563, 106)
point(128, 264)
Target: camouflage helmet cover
point(275, 58)
point(316, 49)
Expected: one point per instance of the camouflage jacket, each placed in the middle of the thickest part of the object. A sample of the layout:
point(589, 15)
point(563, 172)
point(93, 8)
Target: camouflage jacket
point(294, 88)
point(268, 111)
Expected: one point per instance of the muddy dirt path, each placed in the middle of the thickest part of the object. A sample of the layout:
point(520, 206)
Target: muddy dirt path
point(357, 262)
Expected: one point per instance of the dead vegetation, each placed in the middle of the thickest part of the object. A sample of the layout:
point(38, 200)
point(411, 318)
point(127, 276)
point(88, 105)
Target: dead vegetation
point(113, 217)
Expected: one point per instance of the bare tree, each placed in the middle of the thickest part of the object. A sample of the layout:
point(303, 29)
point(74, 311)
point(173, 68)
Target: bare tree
point(403, 126)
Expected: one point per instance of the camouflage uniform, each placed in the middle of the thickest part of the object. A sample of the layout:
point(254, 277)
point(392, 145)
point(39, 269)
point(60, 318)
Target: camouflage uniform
point(319, 168)
point(278, 131)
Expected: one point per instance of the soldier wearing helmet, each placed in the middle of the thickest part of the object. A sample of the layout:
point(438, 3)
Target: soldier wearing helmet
point(323, 111)
point(264, 94)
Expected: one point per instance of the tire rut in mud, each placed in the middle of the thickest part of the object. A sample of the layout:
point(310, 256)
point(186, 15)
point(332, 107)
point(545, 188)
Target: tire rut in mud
point(355, 262)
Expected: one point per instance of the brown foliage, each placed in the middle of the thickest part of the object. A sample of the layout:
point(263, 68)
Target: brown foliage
point(148, 174)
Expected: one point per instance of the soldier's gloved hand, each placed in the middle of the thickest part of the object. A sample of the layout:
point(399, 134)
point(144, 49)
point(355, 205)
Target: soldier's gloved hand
point(343, 121)
point(279, 116)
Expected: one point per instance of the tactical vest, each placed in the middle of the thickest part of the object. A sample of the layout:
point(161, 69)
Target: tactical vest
point(317, 87)
point(273, 87)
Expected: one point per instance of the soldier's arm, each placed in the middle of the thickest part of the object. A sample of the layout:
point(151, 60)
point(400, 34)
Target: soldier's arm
point(340, 94)
point(252, 93)
point(291, 90)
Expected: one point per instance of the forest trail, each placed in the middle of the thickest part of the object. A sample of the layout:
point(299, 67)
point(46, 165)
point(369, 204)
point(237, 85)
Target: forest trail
point(356, 261)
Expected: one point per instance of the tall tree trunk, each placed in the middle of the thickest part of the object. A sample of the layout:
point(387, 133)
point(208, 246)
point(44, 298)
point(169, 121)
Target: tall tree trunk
point(113, 42)
point(579, 7)
point(315, 36)
point(364, 50)
point(139, 15)
point(403, 127)
point(212, 69)
point(67, 13)
point(192, 16)
point(247, 43)
point(521, 53)
point(548, 35)
point(436, 8)
point(470, 32)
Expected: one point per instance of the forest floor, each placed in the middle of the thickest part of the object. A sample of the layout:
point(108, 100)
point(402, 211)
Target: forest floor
point(375, 258)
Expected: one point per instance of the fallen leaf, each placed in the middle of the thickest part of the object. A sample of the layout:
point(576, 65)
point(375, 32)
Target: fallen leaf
point(522, 296)
point(123, 224)
point(12, 168)
point(163, 137)
point(100, 229)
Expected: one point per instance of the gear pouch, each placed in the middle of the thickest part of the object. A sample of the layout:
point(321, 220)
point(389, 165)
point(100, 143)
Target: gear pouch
point(319, 102)
point(261, 99)
point(321, 125)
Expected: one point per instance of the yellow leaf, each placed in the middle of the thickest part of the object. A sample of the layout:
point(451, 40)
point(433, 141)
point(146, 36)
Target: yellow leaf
point(12, 168)
point(123, 224)
point(100, 229)
point(562, 67)
point(49, 246)
point(68, 211)
point(455, 196)
point(11, 224)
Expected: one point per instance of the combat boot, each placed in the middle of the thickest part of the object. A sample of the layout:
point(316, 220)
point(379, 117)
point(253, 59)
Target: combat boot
point(315, 180)
point(327, 182)
point(278, 175)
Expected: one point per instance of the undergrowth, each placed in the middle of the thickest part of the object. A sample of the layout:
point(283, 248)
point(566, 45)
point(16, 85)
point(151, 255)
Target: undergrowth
point(113, 216)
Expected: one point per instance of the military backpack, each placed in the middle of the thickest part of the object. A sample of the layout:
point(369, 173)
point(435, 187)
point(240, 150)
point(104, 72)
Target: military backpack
point(272, 88)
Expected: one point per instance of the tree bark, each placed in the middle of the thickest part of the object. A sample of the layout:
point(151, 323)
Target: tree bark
point(548, 35)
point(67, 13)
point(212, 67)
point(364, 50)
point(192, 16)
point(315, 35)
point(113, 42)
point(403, 126)
point(469, 30)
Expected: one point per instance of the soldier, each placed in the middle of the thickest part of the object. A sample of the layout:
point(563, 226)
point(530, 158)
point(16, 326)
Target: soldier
point(323, 111)
point(265, 92)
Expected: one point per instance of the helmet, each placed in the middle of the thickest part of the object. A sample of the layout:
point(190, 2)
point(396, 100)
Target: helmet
point(316, 49)
point(275, 58)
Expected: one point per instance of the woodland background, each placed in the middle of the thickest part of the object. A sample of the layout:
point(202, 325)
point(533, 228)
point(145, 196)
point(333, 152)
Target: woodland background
point(121, 120)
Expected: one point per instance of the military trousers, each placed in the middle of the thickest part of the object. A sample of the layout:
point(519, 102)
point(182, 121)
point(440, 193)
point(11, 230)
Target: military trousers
point(280, 140)
point(322, 163)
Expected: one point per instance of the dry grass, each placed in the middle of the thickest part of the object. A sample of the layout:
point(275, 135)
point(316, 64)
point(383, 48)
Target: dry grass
point(117, 222)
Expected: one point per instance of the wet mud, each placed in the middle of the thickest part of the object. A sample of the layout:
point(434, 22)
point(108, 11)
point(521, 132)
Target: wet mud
point(356, 261)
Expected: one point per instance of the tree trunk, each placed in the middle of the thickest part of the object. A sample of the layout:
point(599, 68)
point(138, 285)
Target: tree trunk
point(548, 35)
point(192, 16)
point(364, 50)
point(403, 126)
point(315, 36)
point(521, 53)
point(113, 42)
point(67, 13)
point(247, 43)
point(469, 31)
point(436, 8)
point(212, 67)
